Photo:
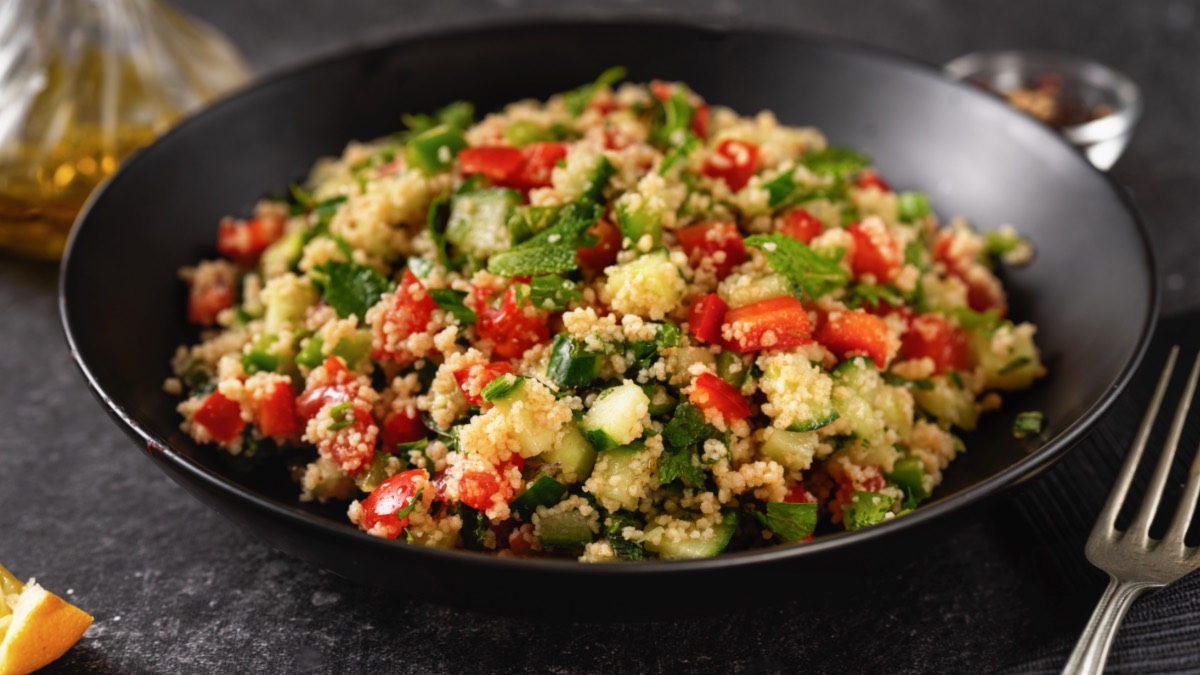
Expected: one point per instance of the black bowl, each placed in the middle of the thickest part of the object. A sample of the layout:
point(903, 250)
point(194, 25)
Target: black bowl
point(1092, 289)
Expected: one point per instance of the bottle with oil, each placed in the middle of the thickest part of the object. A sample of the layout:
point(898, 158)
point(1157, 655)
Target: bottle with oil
point(83, 83)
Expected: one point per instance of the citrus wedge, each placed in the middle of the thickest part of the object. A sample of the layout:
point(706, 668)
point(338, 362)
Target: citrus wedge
point(36, 626)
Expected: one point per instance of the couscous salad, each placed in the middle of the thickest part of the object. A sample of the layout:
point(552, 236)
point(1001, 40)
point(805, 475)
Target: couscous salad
point(620, 324)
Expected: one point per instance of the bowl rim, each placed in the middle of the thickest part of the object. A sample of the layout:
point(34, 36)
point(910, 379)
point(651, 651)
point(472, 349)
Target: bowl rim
point(179, 465)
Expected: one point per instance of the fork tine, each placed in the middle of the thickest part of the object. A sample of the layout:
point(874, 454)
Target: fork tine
point(1145, 515)
point(1191, 493)
point(1107, 520)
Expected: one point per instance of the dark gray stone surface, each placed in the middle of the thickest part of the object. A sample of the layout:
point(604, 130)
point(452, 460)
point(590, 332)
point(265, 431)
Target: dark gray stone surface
point(175, 588)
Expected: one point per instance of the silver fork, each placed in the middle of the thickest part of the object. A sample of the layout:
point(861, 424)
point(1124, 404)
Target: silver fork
point(1136, 563)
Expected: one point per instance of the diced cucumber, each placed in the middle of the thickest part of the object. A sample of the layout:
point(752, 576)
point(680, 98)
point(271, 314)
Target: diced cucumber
point(570, 461)
point(311, 354)
point(896, 405)
point(661, 401)
point(823, 418)
point(520, 133)
point(478, 220)
point(353, 348)
point(793, 450)
point(650, 284)
point(545, 491)
point(746, 289)
point(433, 151)
point(949, 403)
point(262, 356)
point(637, 218)
point(866, 508)
point(617, 475)
point(283, 254)
point(1008, 357)
point(711, 543)
point(570, 364)
point(567, 529)
point(909, 474)
point(501, 388)
point(856, 382)
point(529, 431)
point(787, 377)
point(732, 368)
point(616, 416)
point(287, 298)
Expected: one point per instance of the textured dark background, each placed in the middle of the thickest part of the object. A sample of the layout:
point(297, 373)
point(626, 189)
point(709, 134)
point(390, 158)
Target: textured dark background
point(175, 588)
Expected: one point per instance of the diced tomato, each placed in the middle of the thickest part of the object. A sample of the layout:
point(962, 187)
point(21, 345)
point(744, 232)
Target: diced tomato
point(512, 329)
point(871, 179)
point(604, 252)
point(706, 316)
point(221, 417)
point(777, 323)
point(410, 310)
point(205, 303)
point(733, 162)
point(353, 447)
point(700, 120)
point(662, 90)
point(711, 393)
point(517, 543)
point(478, 489)
point(276, 414)
point(798, 494)
point(380, 507)
point(931, 336)
point(537, 161)
point(869, 479)
point(401, 427)
point(983, 297)
point(801, 225)
point(310, 402)
point(876, 251)
point(720, 242)
point(496, 162)
point(855, 333)
point(472, 379)
point(245, 240)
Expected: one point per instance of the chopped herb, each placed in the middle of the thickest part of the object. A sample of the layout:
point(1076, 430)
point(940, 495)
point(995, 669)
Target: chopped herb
point(433, 151)
point(679, 153)
point(311, 355)
point(1015, 364)
point(570, 364)
point(436, 221)
point(897, 381)
point(835, 161)
point(452, 301)
point(912, 206)
point(349, 288)
point(873, 295)
point(971, 320)
point(421, 267)
point(1001, 242)
point(525, 221)
point(673, 119)
point(783, 191)
point(457, 115)
point(593, 193)
point(614, 527)
point(475, 528)
point(552, 250)
point(342, 415)
point(501, 387)
point(808, 270)
point(405, 448)
point(577, 100)
point(549, 292)
point(260, 359)
point(956, 378)
point(545, 491)
point(789, 521)
point(865, 509)
point(1028, 423)
point(909, 474)
point(408, 508)
point(914, 254)
point(687, 427)
point(677, 464)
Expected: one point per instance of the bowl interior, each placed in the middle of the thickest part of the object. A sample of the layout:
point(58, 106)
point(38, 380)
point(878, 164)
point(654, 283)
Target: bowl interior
point(123, 305)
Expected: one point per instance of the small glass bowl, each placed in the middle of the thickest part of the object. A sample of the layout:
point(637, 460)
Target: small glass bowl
point(1110, 99)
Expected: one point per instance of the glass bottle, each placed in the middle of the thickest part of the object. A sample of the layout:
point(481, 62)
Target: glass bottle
point(83, 83)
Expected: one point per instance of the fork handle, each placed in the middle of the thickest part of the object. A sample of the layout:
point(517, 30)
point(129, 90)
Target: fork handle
point(1091, 651)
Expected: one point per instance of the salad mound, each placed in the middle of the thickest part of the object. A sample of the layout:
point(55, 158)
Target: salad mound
point(619, 324)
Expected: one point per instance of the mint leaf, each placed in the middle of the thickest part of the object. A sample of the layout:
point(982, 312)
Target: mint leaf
point(687, 427)
point(678, 465)
point(550, 292)
point(873, 295)
point(614, 525)
point(552, 250)
point(452, 301)
point(790, 522)
point(349, 288)
point(835, 161)
point(808, 270)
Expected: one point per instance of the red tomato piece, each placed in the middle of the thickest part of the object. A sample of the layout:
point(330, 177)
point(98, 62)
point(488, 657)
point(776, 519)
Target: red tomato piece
point(472, 379)
point(801, 225)
point(777, 323)
point(706, 316)
point(410, 310)
point(711, 393)
point(401, 427)
point(798, 494)
point(537, 161)
point(354, 446)
point(276, 414)
point(700, 120)
point(512, 329)
point(499, 163)
point(876, 251)
point(221, 416)
point(733, 162)
point(310, 402)
point(604, 252)
point(931, 336)
point(855, 333)
point(380, 507)
point(872, 179)
point(210, 292)
point(662, 90)
point(720, 242)
point(245, 240)
point(478, 489)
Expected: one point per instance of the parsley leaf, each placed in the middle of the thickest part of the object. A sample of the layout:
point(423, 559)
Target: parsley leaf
point(678, 465)
point(783, 190)
point(350, 288)
point(679, 153)
point(1016, 364)
point(452, 301)
point(459, 115)
point(408, 508)
point(1028, 423)
point(578, 99)
point(808, 270)
point(866, 508)
point(789, 521)
point(614, 525)
point(672, 119)
point(475, 528)
point(342, 415)
point(835, 161)
point(873, 295)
